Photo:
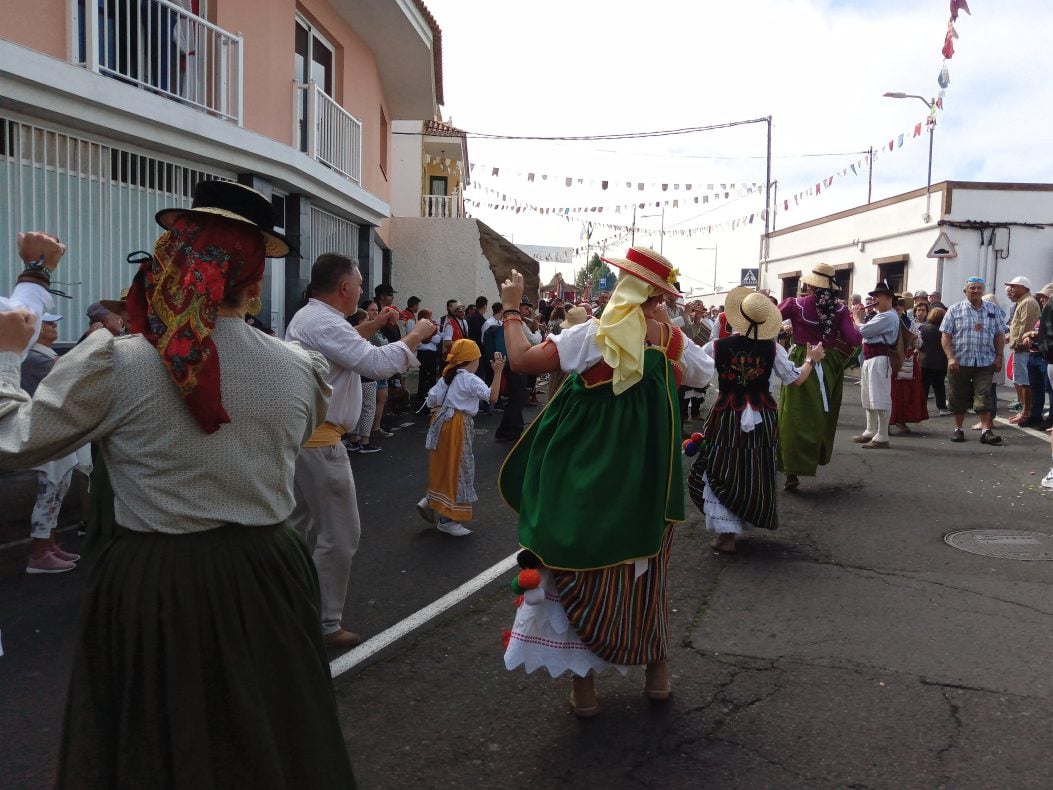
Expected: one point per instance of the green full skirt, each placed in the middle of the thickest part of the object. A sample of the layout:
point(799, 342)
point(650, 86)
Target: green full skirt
point(596, 479)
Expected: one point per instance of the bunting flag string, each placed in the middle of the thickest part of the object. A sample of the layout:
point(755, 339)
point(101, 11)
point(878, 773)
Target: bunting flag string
point(477, 169)
point(732, 224)
point(674, 203)
point(502, 201)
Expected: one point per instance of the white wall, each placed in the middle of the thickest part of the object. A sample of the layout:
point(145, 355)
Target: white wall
point(898, 228)
point(407, 157)
point(439, 259)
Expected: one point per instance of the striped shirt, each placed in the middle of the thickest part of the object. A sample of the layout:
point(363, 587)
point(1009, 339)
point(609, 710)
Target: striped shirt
point(973, 331)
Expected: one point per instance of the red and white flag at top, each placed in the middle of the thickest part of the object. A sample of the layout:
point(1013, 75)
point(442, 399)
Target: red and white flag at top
point(959, 5)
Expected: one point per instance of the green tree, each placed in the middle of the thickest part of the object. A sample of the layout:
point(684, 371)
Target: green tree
point(593, 271)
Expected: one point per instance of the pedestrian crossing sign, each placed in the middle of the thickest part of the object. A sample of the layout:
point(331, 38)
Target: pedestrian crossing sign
point(750, 278)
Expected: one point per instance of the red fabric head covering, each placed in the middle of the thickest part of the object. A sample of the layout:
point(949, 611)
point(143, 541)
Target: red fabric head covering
point(175, 296)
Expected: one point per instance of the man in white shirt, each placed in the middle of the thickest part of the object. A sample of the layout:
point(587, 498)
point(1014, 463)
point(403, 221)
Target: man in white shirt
point(493, 320)
point(324, 486)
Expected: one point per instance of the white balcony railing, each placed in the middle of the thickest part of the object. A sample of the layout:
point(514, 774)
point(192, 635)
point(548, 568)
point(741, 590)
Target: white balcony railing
point(327, 132)
point(163, 47)
point(441, 206)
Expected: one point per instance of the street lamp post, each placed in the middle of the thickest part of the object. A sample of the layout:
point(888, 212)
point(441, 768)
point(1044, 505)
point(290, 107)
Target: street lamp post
point(714, 248)
point(931, 104)
point(661, 233)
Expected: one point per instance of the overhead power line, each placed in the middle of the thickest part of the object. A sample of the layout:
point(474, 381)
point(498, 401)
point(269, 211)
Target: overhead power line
point(617, 136)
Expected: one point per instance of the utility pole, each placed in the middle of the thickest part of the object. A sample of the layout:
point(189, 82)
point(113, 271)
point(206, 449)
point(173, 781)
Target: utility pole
point(870, 172)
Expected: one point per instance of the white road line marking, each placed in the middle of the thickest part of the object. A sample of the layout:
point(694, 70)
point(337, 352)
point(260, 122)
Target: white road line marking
point(1029, 431)
point(350, 659)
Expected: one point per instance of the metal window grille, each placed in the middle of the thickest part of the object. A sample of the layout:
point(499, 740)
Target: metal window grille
point(98, 198)
point(330, 233)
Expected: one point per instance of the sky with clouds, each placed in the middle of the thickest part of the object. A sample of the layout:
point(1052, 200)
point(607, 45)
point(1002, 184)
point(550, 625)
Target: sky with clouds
point(818, 67)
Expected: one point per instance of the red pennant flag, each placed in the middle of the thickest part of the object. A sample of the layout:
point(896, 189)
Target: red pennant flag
point(917, 129)
point(948, 45)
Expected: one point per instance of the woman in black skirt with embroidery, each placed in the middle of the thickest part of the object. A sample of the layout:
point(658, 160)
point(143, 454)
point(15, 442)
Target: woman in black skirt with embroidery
point(733, 479)
point(199, 661)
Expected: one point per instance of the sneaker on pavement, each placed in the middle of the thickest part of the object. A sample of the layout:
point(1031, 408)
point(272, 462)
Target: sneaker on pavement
point(342, 639)
point(352, 447)
point(425, 511)
point(453, 528)
point(64, 555)
point(988, 437)
point(48, 563)
point(368, 448)
point(945, 413)
point(385, 434)
point(1047, 481)
point(957, 435)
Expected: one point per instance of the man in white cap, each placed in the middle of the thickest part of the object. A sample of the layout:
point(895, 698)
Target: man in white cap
point(1023, 321)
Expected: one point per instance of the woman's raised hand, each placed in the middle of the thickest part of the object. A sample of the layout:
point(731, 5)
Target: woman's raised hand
point(512, 291)
point(16, 330)
point(816, 353)
point(499, 361)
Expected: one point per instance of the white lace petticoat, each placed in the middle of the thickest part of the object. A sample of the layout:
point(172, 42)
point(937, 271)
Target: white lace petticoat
point(542, 637)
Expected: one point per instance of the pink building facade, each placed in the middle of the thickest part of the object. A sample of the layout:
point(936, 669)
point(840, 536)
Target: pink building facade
point(113, 109)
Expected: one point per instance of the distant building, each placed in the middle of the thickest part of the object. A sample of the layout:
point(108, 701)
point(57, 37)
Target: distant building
point(440, 252)
point(997, 231)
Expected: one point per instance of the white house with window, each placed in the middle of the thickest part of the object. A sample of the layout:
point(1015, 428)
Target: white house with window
point(996, 231)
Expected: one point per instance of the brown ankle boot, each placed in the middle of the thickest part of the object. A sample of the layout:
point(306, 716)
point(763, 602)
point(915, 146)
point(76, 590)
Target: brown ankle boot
point(656, 681)
point(583, 698)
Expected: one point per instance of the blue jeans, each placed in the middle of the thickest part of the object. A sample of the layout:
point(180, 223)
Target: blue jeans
point(1038, 380)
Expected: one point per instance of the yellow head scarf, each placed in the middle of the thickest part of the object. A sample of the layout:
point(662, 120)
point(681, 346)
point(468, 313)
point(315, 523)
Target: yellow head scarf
point(623, 330)
point(461, 351)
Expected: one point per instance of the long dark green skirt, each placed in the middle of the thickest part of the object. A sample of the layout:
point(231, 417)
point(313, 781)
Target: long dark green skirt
point(200, 664)
point(806, 432)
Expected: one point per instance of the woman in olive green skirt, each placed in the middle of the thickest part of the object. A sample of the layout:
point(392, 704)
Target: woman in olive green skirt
point(199, 661)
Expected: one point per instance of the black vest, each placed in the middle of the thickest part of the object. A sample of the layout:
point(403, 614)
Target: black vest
point(744, 367)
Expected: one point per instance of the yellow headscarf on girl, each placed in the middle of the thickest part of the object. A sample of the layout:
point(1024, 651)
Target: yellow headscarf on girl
point(461, 351)
point(623, 330)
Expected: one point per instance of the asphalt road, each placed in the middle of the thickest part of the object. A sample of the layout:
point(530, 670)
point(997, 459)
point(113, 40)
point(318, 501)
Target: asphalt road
point(851, 648)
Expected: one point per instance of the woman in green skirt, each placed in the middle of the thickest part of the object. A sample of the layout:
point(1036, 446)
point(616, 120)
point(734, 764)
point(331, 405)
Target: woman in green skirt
point(199, 661)
point(601, 547)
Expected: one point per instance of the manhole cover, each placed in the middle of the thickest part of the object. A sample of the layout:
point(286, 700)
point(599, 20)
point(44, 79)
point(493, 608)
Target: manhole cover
point(1007, 544)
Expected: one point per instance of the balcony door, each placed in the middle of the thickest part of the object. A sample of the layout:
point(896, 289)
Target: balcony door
point(315, 60)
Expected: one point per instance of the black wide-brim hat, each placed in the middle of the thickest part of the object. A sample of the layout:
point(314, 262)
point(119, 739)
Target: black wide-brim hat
point(235, 202)
point(882, 289)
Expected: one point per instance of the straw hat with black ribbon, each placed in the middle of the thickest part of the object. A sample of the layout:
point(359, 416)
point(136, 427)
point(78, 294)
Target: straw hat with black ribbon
point(235, 202)
point(752, 314)
point(650, 266)
point(821, 276)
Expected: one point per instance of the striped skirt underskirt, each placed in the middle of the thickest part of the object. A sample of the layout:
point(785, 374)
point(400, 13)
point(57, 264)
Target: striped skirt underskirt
point(732, 481)
point(590, 621)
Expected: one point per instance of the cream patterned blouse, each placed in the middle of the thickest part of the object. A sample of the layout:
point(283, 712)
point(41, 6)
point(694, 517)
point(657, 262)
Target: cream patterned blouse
point(168, 475)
